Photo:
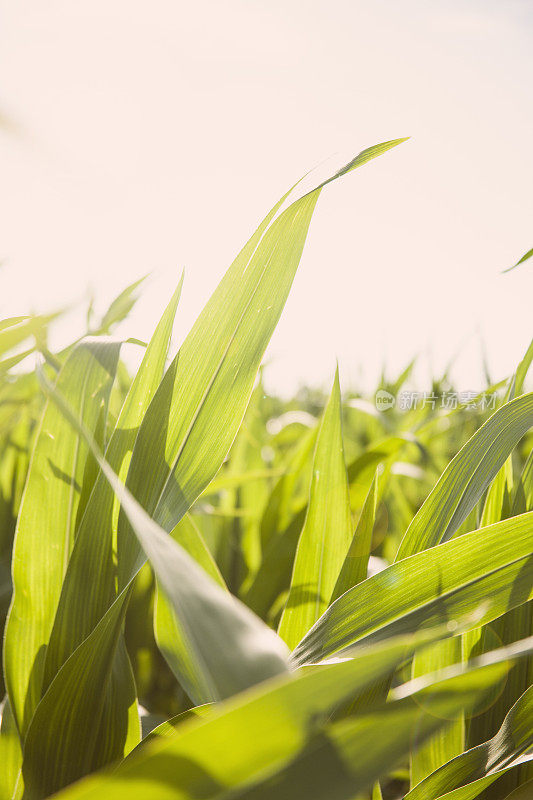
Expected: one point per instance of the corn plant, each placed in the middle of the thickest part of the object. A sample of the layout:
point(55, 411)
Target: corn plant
point(218, 594)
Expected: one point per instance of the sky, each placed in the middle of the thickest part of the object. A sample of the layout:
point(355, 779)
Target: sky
point(151, 137)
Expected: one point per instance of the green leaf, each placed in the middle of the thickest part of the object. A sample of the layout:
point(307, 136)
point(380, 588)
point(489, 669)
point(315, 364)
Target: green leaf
point(111, 717)
point(449, 741)
point(281, 526)
point(355, 567)
point(480, 787)
point(232, 648)
point(283, 502)
point(523, 495)
point(522, 370)
point(167, 729)
point(82, 603)
point(282, 712)
point(55, 753)
point(171, 637)
point(238, 548)
point(522, 792)
point(15, 331)
point(525, 257)
point(211, 379)
point(378, 452)
point(184, 436)
point(10, 752)
point(493, 565)
point(282, 741)
point(467, 476)
point(274, 574)
point(517, 623)
point(498, 501)
point(47, 521)
point(513, 739)
point(121, 306)
point(327, 530)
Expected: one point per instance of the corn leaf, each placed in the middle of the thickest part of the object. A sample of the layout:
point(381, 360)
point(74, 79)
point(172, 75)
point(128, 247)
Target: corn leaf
point(514, 738)
point(355, 567)
point(10, 752)
point(282, 743)
point(47, 521)
point(83, 603)
point(227, 644)
point(15, 331)
point(492, 565)
point(467, 476)
point(327, 530)
point(120, 307)
point(171, 639)
point(212, 377)
point(525, 257)
point(182, 440)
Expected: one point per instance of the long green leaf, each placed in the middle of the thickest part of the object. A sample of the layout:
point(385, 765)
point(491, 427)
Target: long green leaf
point(525, 257)
point(492, 565)
point(283, 501)
point(281, 526)
point(523, 495)
point(170, 635)
point(183, 438)
point(94, 545)
point(120, 307)
point(517, 623)
point(291, 704)
point(83, 603)
point(47, 521)
point(282, 743)
point(513, 739)
point(10, 752)
point(274, 575)
point(327, 530)
point(231, 648)
point(211, 379)
point(449, 741)
point(467, 476)
point(15, 331)
point(522, 792)
point(355, 567)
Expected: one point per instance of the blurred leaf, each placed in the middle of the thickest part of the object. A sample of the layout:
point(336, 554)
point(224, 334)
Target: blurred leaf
point(15, 331)
point(120, 307)
point(525, 257)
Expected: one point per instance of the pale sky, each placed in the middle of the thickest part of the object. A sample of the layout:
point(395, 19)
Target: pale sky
point(153, 136)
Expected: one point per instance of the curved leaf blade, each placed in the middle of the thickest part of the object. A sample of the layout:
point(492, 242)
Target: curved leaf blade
point(493, 565)
point(467, 476)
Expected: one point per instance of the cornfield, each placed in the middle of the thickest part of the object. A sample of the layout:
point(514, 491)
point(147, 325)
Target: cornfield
point(210, 592)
